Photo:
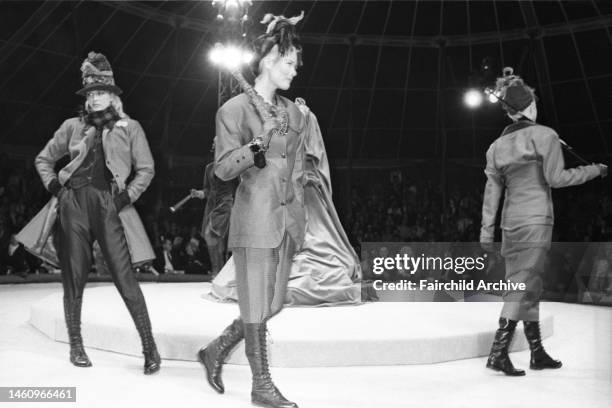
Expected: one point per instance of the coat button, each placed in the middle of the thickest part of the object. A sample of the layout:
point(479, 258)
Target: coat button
point(283, 203)
point(283, 155)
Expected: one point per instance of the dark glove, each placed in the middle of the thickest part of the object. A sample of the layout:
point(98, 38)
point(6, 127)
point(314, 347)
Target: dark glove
point(122, 200)
point(54, 187)
point(259, 153)
point(259, 159)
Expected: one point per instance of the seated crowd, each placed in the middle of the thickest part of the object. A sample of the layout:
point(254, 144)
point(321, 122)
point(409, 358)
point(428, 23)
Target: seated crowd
point(408, 210)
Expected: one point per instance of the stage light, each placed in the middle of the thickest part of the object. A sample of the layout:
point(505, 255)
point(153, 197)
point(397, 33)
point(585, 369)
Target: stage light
point(247, 57)
point(473, 98)
point(492, 96)
point(216, 54)
point(232, 10)
point(230, 56)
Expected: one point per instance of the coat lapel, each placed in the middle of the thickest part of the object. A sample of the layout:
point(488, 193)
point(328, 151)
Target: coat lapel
point(78, 151)
point(105, 134)
point(86, 142)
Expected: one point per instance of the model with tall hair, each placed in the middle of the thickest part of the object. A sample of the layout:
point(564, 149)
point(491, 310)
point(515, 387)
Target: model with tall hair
point(524, 163)
point(259, 139)
point(326, 270)
point(95, 201)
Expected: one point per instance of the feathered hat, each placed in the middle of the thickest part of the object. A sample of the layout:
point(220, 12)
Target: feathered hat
point(281, 31)
point(97, 75)
point(516, 94)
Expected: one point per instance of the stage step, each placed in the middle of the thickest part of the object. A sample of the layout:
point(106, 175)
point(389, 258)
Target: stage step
point(382, 333)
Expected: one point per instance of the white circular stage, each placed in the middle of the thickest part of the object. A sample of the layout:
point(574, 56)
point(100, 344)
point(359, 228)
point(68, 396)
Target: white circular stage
point(382, 333)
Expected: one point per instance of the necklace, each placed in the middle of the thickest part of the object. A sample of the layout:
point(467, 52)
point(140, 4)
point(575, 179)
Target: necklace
point(266, 111)
point(283, 116)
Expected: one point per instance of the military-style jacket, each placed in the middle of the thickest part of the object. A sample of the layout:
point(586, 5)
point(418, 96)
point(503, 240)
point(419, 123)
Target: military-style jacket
point(125, 146)
point(269, 202)
point(526, 161)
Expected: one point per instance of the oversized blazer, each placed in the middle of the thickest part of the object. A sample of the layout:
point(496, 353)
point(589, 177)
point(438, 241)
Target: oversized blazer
point(269, 202)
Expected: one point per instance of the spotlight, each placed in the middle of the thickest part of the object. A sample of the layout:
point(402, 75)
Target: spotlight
point(216, 54)
point(232, 10)
point(492, 96)
point(230, 56)
point(473, 98)
point(247, 57)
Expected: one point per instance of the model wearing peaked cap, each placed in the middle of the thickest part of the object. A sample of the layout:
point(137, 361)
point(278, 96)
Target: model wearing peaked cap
point(525, 162)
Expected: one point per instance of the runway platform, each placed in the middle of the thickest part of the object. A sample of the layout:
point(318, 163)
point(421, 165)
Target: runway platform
point(382, 333)
point(581, 340)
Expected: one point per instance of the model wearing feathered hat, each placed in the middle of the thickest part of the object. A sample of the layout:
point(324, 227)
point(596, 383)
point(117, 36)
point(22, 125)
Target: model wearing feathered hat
point(94, 201)
point(265, 151)
point(525, 162)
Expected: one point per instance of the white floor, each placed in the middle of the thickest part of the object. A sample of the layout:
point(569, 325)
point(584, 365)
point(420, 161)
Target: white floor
point(582, 339)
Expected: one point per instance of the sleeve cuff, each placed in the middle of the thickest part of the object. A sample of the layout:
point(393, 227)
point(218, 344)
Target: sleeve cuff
point(487, 234)
point(486, 237)
point(233, 165)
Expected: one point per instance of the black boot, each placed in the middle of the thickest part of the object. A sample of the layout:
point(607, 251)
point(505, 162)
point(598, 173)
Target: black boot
point(72, 312)
point(152, 363)
point(539, 357)
point(499, 360)
point(213, 356)
point(264, 393)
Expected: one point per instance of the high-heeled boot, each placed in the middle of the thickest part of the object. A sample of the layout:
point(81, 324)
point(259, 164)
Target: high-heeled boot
point(499, 360)
point(140, 315)
point(72, 313)
point(539, 357)
point(263, 393)
point(214, 354)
